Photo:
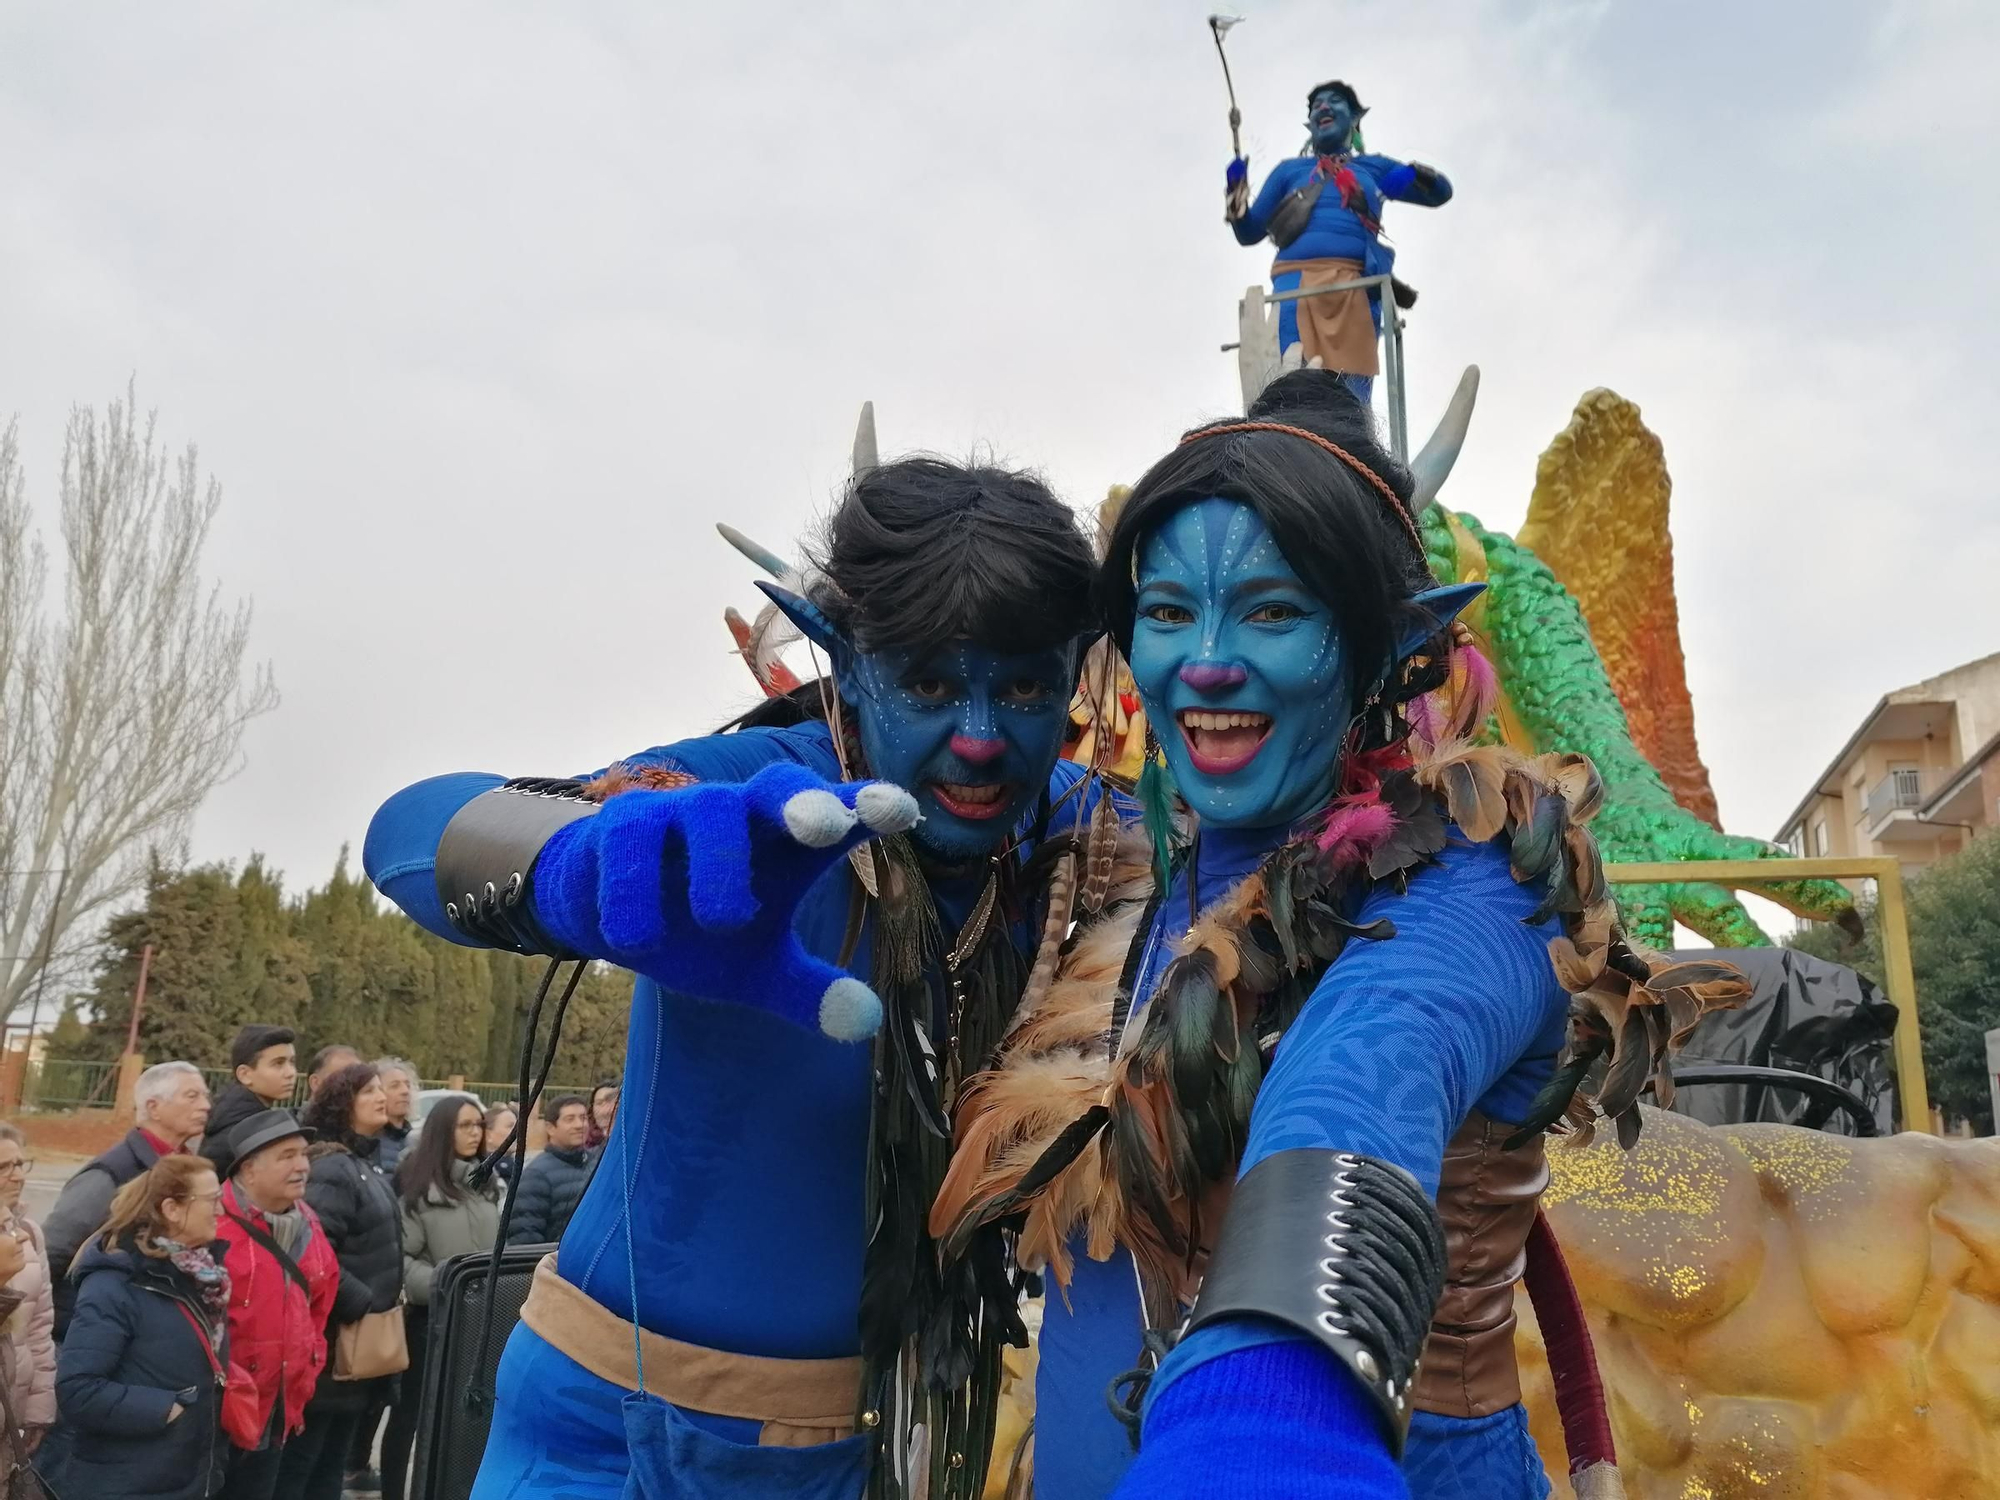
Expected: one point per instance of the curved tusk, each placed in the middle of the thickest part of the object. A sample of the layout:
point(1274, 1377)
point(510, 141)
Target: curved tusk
point(762, 556)
point(1433, 464)
point(865, 456)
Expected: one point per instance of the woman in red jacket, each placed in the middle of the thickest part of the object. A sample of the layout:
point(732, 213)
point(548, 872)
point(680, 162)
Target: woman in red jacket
point(283, 1275)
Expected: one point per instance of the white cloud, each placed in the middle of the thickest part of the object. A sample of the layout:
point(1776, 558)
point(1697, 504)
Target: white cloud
point(484, 313)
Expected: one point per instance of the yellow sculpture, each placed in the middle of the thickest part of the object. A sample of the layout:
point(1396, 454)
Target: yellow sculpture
point(1784, 1313)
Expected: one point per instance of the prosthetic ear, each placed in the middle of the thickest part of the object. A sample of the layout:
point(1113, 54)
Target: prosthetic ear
point(813, 624)
point(1438, 608)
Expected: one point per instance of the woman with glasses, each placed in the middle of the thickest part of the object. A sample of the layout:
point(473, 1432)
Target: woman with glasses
point(137, 1381)
point(27, 1310)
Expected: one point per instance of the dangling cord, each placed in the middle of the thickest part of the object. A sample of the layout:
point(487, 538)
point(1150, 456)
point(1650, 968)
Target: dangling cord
point(519, 1140)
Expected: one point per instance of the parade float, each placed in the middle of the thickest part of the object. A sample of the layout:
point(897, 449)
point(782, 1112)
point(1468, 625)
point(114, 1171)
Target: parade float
point(1777, 1310)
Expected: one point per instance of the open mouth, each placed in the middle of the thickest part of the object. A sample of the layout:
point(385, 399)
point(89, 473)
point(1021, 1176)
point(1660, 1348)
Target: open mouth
point(1219, 743)
point(969, 800)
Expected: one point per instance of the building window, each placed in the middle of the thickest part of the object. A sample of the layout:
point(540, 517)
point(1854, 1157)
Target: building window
point(1819, 839)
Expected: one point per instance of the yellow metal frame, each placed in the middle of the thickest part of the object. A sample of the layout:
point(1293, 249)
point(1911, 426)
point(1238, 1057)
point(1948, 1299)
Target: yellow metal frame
point(1892, 920)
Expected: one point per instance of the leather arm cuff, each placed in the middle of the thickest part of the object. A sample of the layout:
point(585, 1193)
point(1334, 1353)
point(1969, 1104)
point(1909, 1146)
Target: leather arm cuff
point(486, 860)
point(1346, 1249)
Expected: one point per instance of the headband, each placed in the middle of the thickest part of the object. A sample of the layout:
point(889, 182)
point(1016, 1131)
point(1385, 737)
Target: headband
point(1396, 506)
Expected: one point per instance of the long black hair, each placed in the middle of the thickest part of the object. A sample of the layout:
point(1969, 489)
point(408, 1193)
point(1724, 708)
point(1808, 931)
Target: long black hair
point(330, 1112)
point(1335, 529)
point(430, 1167)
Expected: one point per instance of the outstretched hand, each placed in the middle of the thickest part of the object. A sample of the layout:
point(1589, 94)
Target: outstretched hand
point(1238, 173)
point(697, 888)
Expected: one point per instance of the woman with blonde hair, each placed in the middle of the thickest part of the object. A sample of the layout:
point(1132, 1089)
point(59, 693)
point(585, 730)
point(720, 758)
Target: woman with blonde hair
point(27, 1306)
point(137, 1381)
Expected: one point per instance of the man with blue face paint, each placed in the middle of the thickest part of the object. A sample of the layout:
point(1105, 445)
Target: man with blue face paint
point(1281, 1115)
point(1323, 212)
point(756, 1223)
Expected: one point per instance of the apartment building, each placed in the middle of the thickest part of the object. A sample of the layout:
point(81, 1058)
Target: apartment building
point(1918, 779)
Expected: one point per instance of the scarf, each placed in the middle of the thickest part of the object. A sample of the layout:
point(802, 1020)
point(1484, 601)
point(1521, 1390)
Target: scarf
point(211, 1279)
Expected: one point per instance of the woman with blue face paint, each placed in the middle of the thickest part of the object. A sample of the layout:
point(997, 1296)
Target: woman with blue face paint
point(758, 1210)
point(1285, 1097)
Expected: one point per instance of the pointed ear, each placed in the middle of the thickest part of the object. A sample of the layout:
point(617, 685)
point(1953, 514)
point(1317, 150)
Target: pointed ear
point(1439, 607)
point(812, 622)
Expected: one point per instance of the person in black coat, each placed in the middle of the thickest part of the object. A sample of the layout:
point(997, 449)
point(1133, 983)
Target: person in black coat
point(137, 1392)
point(357, 1207)
point(552, 1184)
point(265, 1061)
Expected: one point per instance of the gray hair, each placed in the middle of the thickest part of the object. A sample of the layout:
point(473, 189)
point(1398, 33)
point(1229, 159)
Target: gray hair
point(398, 1065)
point(158, 1081)
point(10, 1132)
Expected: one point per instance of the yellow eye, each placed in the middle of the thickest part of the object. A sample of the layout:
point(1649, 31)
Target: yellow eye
point(930, 689)
point(1274, 614)
point(1170, 614)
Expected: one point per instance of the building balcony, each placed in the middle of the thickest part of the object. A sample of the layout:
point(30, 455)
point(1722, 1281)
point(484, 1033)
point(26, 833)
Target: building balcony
point(1890, 814)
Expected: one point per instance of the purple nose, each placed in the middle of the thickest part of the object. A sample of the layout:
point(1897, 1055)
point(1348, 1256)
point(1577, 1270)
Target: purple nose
point(1208, 676)
point(977, 752)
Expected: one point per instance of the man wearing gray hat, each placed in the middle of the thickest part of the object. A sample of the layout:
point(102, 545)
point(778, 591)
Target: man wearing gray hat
point(283, 1275)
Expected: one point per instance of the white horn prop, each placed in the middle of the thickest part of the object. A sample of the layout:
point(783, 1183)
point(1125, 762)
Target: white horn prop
point(1433, 464)
point(762, 556)
point(865, 456)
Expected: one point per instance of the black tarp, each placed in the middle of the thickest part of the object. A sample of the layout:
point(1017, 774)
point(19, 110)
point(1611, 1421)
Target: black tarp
point(1806, 1014)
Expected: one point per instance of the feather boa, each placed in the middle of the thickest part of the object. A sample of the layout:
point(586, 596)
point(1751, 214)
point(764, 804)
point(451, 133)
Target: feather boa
point(1076, 1129)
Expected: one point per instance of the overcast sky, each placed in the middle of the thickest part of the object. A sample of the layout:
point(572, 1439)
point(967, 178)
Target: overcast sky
point(484, 313)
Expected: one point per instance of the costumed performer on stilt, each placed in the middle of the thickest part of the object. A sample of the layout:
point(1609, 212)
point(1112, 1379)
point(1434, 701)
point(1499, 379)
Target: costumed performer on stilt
point(759, 1210)
point(1323, 212)
point(1302, 1062)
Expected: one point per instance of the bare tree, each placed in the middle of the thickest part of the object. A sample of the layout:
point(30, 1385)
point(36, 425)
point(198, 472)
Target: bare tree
point(118, 715)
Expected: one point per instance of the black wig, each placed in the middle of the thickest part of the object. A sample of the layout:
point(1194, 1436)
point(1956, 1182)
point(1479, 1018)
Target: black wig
point(1334, 528)
point(923, 551)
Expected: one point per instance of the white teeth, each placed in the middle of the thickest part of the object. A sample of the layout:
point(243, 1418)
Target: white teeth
point(1194, 719)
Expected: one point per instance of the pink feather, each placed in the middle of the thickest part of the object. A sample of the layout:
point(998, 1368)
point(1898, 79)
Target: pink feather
point(1355, 828)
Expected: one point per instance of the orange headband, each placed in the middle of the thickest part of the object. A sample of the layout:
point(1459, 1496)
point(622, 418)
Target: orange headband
point(1396, 506)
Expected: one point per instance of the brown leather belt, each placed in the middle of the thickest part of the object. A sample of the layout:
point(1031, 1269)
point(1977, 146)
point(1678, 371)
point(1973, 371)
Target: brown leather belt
point(1487, 1199)
point(801, 1402)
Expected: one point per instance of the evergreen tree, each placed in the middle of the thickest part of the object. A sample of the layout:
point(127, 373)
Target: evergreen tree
point(1955, 952)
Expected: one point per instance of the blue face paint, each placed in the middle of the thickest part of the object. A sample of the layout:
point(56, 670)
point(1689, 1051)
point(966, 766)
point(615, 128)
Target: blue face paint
point(973, 734)
point(1331, 120)
point(1242, 671)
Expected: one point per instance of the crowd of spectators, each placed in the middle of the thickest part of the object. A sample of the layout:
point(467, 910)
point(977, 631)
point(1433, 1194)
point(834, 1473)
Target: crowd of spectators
point(233, 1301)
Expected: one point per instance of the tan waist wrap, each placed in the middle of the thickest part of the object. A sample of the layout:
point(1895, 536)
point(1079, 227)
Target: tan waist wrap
point(801, 1402)
point(1487, 1199)
point(1337, 327)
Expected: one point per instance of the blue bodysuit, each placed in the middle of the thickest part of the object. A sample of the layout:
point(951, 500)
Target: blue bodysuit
point(1335, 232)
point(1401, 1039)
point(732, 1184)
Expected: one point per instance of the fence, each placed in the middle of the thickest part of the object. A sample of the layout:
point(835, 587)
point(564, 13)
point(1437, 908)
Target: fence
point(62, 1083)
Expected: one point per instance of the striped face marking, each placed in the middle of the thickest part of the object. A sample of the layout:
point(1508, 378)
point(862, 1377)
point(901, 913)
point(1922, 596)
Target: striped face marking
point(1243, 671)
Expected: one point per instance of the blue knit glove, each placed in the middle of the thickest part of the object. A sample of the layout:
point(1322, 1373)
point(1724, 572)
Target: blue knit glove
point(1279, 1421)
point(697, 888)
point(1238, 173)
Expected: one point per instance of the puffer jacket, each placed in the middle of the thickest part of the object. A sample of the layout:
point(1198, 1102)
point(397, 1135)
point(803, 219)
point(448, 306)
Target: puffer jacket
point(357, 1207)
point(130, 1355)
point(551, 1187)
point(277, 1329)
point(439, 1228)
point(30, 1330)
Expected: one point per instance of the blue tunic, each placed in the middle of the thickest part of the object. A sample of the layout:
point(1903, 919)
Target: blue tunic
point(1401, 1040)
point(1335, 232)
